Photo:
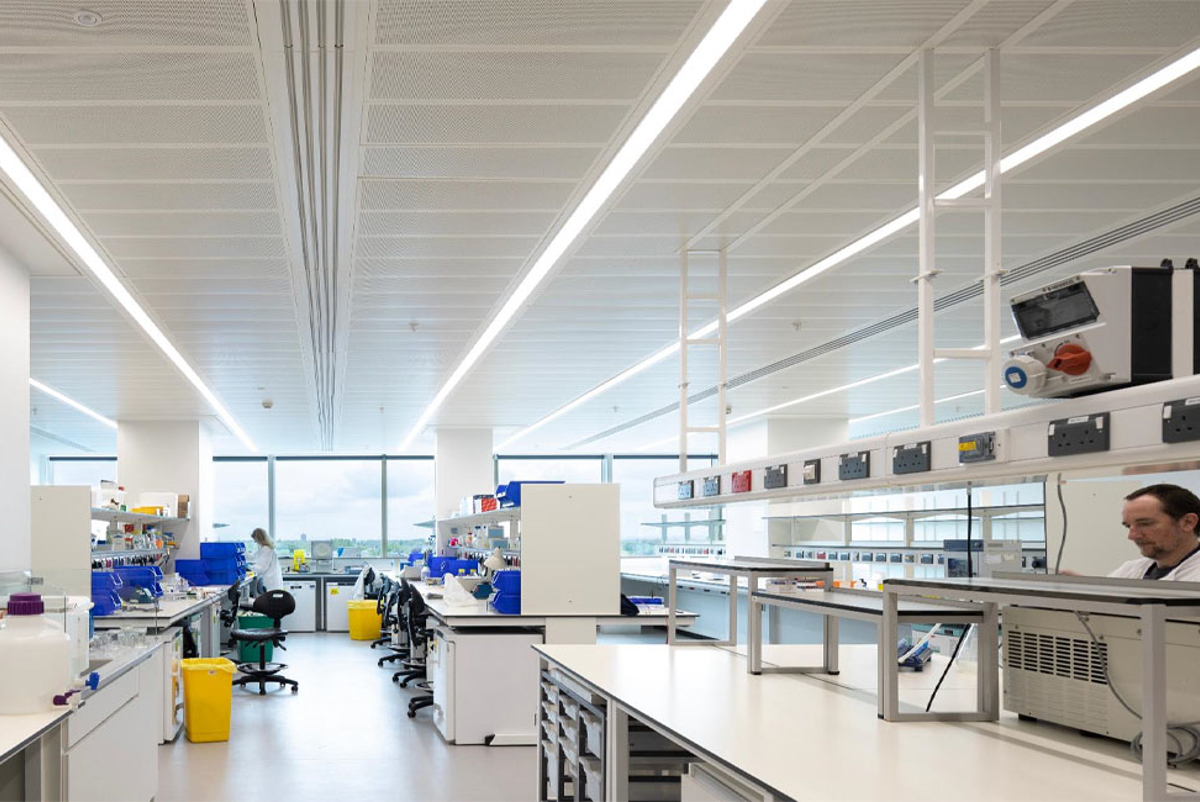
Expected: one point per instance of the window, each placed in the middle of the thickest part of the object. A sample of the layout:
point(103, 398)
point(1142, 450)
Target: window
point(331, 498)
point(577, 470)
point(240, 499)
point(82, 470)
point(410, 503)
point(636, 476)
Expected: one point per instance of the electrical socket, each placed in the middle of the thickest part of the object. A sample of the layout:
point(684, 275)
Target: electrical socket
point(911, 458)
point(1085, 434)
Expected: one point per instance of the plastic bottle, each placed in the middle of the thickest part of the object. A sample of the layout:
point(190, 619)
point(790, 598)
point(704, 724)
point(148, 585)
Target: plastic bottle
point(35, 657)
point(425, 573)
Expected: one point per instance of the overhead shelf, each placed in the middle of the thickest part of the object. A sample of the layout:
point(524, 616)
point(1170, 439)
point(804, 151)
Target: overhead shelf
point(685, 524)
point(123, 517)
point(502, 515)
point(901, 515)
point(130, 552)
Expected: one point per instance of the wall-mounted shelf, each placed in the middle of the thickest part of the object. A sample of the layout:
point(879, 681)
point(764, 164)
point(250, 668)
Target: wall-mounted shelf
point(130, 552)
point(502, 515)
point(901, 515)
point(430, 524)
point(484, 550)
point(123, 517)
point(707, 522)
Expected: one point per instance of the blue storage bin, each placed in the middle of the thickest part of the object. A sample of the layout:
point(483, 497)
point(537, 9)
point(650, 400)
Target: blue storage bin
point(222, 564)
point(507, 581)
point(646, 599)
point(142, 576)
point(218, 550)
point(105, 602)
point(509, 495)
point(223, 577)
point(507, 603)
point(457, 567)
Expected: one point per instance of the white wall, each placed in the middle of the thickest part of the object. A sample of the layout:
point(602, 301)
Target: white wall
point(462, 466)
point(14, 415)
point(172, 457)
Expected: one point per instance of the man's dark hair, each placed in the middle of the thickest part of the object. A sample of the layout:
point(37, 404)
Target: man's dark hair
point(1176, 501)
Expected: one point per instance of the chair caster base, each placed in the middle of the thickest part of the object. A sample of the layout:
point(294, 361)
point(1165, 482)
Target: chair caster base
point(412, 714)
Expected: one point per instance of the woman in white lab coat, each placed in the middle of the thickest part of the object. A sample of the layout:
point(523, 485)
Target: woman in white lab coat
point(266, 561)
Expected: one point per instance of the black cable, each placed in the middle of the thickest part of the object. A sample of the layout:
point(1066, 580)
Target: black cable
point(970, 564)
point(946, 670)
point(1063, 541)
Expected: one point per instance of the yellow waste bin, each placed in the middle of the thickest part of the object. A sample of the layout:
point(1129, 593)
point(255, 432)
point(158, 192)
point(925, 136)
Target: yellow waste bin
point(207, 698)
point(365, 622)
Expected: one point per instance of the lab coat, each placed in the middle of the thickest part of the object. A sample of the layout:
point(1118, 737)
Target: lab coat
point(266, 567)
point(1186, 571)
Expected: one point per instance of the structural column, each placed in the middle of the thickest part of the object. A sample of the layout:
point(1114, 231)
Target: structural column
point(14, 413)
point(462, 466)
point(170, 457)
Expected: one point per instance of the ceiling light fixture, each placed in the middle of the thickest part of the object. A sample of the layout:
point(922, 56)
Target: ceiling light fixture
point(71, 402)
point(37, 195)
point(724, 32)
point(1076, 125)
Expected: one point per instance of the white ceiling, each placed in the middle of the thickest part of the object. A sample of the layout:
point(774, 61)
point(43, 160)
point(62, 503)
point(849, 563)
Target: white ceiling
point(474, 126)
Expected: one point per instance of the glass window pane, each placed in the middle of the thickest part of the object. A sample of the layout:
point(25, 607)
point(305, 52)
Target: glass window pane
point(410, 503)
point(636, 477)
point(335, 500)
point(575, 471)
point(83, 471)
point(240, 502)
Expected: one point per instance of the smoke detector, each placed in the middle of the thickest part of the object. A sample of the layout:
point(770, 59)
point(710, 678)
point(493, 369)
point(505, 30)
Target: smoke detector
point(88, 19)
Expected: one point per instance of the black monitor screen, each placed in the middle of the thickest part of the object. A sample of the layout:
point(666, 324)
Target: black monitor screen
point(1054, 311)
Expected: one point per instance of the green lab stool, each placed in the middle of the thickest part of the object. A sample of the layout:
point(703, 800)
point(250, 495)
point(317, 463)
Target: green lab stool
point(248, 652)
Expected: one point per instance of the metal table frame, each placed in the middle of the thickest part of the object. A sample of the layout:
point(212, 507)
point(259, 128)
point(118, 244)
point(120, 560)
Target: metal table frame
point(1072, 594)
point(753, 568)
point(858, 605)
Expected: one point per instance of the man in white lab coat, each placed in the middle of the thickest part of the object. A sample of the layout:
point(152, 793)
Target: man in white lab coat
point(1162, 521)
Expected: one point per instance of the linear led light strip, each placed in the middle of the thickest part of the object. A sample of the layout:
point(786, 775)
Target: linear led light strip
point(71, 402)
point(840, 388)
point(20, 175)
point(733, 20)
point(1077, 124)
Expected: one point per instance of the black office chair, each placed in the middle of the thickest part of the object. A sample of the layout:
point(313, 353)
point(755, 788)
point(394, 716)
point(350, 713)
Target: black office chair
point(274, 604)
point(415, 667)
point(395, 623)
point(385, 608)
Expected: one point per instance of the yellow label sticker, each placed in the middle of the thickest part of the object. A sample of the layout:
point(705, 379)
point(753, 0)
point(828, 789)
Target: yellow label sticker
point(333, 591)
point(967, 446)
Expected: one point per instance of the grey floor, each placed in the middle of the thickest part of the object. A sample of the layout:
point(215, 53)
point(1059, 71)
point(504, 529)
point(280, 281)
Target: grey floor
point(345, 736)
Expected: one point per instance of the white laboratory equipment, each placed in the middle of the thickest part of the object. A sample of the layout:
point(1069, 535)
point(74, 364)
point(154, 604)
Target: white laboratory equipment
point(172, 684)
point(338, 592)
point(1098, 330)
point(304, 618)
point(35, 657)
point(484, 685)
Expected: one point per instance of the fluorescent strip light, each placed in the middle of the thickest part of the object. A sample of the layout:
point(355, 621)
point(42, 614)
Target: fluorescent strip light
point(33, 190)
point(958, 397)
point(71, 402)
point(728, 27)
point(1081, 122)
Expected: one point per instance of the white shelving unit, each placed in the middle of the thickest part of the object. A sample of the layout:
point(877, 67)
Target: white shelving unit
point(567, 538)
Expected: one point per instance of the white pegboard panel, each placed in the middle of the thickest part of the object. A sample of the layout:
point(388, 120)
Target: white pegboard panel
point(629, 246)
point(1151, 125)
point(825, 77)
point(859, 22)
point(567, 124)
point(108, 125)
point(1061, 77)
point(193, 247)
point(749, 125)
point(375, 287)
point(715, 163)
point(444, 247)
point(883, 197)
point(677, 223)
point(995, 22)
point(76, 76)
point(442, 223)
point(694, 195)
point(51, 23)
point(382, 194)
point(104, 224)
point(533, 22)
point(1131, 196)
point(202, 268)
point(847, 223)
point(423, 266)
point(179, 197)
point(477, 162)
point(511, 76)
point(133, 164)
point(1118, 22)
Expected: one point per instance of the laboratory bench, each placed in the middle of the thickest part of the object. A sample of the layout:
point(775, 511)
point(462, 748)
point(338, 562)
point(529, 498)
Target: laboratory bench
point(69, 754)
point(735, 735)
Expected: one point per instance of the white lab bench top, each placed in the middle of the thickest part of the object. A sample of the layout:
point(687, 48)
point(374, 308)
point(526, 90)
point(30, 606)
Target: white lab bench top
point(813, 737)
point(19, 732)
point(168, 613)
point(480, 614)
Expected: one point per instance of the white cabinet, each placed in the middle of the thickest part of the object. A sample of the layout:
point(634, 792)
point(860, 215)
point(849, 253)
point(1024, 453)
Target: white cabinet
point(485, 685)
point(337, 593)
point(111, 742)
point(304, 619)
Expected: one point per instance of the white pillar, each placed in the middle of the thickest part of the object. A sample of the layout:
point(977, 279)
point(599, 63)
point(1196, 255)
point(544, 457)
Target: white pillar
point(746, 531)
point(170, 457)
point(14, 415)
point(462, 466)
